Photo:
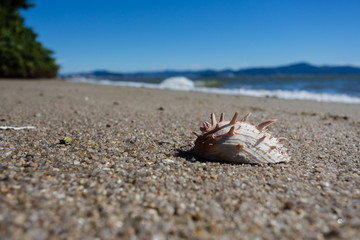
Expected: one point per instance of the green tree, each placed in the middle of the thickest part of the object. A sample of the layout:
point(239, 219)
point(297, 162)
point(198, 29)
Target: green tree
point(21, 55)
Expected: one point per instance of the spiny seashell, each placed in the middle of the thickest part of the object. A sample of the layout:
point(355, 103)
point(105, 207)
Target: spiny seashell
point(239, 142)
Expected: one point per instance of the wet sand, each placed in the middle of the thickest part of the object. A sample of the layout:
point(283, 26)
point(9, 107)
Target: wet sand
point(114, 162)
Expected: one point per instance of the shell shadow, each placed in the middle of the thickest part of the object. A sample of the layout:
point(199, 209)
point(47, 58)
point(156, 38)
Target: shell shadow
point(188, 155)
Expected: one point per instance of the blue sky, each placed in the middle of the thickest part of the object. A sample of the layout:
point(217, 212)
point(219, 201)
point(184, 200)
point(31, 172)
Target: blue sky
point(138, 35)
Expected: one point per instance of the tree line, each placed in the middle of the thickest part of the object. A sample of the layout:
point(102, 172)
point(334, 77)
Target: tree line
point(21, 55)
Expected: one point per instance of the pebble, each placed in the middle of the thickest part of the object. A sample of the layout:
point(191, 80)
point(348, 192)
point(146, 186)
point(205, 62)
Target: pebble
point(167, 160)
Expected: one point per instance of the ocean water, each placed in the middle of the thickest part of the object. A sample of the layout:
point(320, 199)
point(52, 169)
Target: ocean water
point(345, 89)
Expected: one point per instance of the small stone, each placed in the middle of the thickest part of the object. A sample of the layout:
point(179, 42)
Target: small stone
point(333, 233)
point(167, 160)
point(325, 184)
point(29, 157)
point(214, 176)
point(289, 205)
point(166, 210)
point(65, 140)
point(180, 209)
point(340, 221)
point(7, 153)
point(20, 219)
point(3, 177)
point(301, 212)
point(197, 217)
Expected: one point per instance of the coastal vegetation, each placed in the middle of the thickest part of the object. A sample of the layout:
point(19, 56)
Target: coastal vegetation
point(21, 55)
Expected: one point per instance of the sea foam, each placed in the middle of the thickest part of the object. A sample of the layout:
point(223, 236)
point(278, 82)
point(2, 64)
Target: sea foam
point(177, 83)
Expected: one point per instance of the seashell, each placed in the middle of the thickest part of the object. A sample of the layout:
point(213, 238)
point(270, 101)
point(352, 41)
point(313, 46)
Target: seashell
point(239, 142)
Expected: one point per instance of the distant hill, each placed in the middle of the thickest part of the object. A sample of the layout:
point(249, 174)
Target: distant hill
point(299, 68)
point(293, 69)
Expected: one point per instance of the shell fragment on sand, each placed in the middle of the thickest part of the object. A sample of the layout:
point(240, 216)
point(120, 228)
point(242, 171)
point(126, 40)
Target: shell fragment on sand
point(239, 142)
point(16, 128)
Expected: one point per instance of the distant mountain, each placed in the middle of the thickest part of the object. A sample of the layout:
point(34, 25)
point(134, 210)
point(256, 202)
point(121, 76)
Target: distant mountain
point(96, 73)
point(299, 68)
point(100, 73)
point(293, 69)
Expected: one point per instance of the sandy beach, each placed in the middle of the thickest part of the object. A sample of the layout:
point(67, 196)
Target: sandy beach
point(110, 162)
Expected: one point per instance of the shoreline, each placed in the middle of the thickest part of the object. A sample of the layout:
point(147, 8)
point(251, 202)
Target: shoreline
point(126, 169)
point(184, 84)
